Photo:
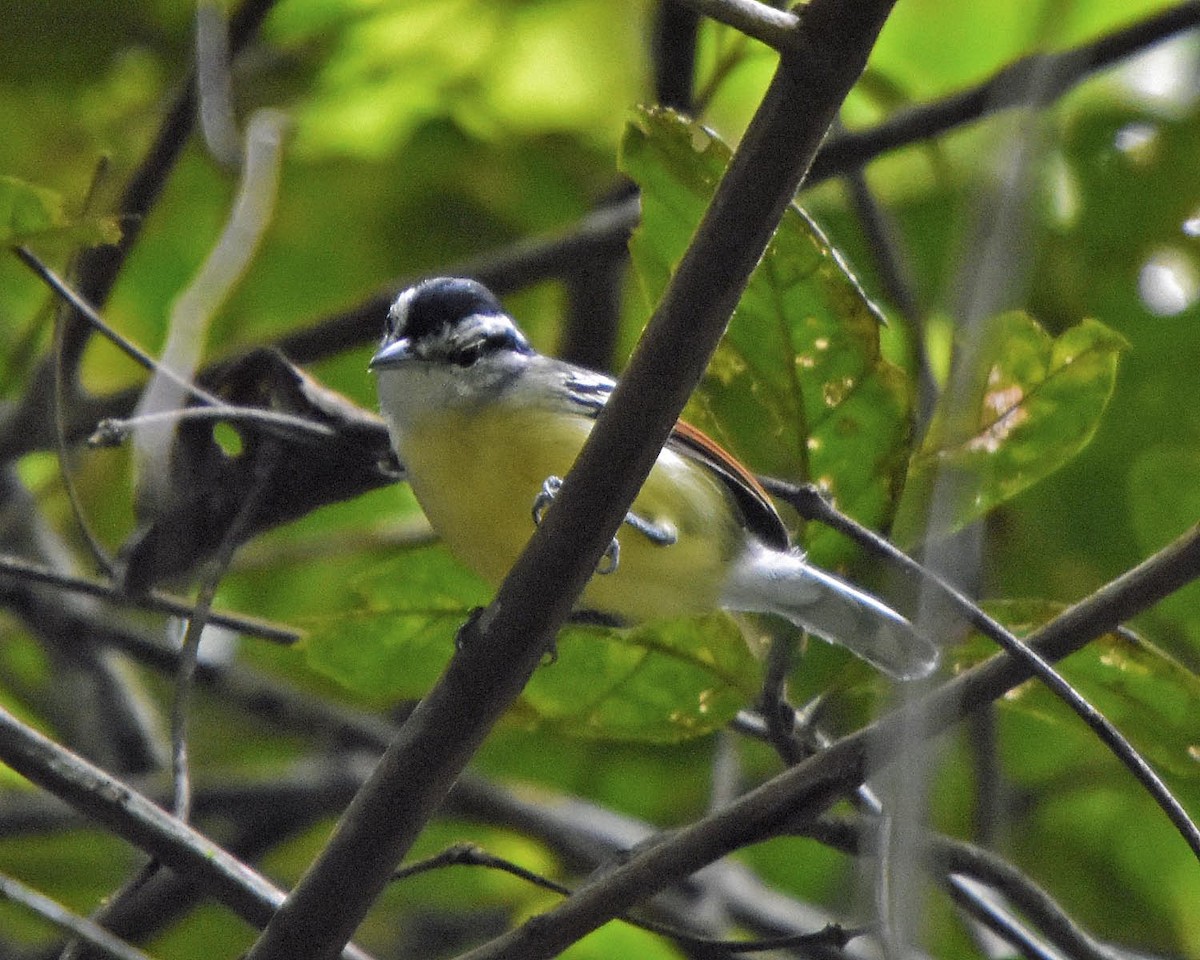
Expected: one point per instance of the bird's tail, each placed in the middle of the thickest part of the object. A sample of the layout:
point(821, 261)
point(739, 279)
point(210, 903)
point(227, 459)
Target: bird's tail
point(771, 581)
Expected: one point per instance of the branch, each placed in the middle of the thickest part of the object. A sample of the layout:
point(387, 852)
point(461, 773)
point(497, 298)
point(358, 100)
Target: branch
point(500, 649)
point(89, 313)
point(68, 920)
point(1055, 73)
point(951, 857)
point(801, 793)
point(774, 27)
point(600, 235)
point(471, 855)
point(156, 601)
point(128, 814)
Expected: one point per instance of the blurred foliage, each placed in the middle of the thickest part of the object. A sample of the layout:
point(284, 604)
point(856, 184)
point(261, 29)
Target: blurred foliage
point(427, 133)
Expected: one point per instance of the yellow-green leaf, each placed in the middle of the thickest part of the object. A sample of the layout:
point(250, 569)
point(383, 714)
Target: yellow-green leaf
point(1031, 403)
point(31, 214)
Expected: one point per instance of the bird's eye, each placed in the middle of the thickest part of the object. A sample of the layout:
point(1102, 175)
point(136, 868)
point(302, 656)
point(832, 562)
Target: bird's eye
point(468, 355)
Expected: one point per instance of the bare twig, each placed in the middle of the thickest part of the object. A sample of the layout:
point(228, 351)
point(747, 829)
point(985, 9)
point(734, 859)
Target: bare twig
point(774, 27)
point(1004, 89)
point(601, 235)
point(155, 601)
point(190, 646)
point(92, 316)
point(470, 855)
point(113, 432)
point(60, 916)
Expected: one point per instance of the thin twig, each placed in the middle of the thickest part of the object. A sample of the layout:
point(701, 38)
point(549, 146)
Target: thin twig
point(155, 601)
point(774, 27)
point(89, 313)
point(60, 916)
point(471, 855)
point(113, 432)
point(1002, 90)
point(95, 548)
point(189, 648)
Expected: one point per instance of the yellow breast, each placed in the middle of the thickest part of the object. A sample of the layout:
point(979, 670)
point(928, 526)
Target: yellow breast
point(476, 476)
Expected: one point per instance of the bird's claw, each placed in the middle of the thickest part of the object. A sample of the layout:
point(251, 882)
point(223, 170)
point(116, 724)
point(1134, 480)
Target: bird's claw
point(660, 534)
point(545, 497)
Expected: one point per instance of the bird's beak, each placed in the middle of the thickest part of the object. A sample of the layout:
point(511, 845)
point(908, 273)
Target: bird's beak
point(391, 354)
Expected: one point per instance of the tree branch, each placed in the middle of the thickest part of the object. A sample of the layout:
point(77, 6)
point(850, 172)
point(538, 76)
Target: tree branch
point(156, 601)
point(128, 814)
point(1058, 73)
point(60, 916)
point(808, 501)
point(774, 27)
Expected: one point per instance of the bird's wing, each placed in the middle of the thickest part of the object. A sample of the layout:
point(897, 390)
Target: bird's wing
point(761, 516)
point(590, 391)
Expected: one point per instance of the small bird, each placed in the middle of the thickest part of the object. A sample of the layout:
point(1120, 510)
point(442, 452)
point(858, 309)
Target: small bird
point(486, 427)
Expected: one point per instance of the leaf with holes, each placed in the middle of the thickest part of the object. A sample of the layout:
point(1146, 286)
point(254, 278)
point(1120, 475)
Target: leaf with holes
point(660, 683)
point(798, 388)
point(1029, 404)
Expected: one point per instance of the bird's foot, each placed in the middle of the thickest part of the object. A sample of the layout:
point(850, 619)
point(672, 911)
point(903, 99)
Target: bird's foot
point(660, 534)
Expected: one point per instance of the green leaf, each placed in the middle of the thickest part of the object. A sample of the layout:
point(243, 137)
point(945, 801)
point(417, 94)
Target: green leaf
point(1031, 403)
point(396, 636)
point(1158, 519)
point(1147, 694)
point(34, 214)
point(663, 683)
point(797, 388)
point(660, 683)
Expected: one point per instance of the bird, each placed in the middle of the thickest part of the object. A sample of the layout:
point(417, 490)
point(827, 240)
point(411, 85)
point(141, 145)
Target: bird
point(486, 427)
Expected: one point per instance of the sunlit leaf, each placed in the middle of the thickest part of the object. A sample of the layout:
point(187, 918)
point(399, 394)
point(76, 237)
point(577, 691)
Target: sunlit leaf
point(797, 388)
point(663, 682)
point(1030, 403)
point(31, 214)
